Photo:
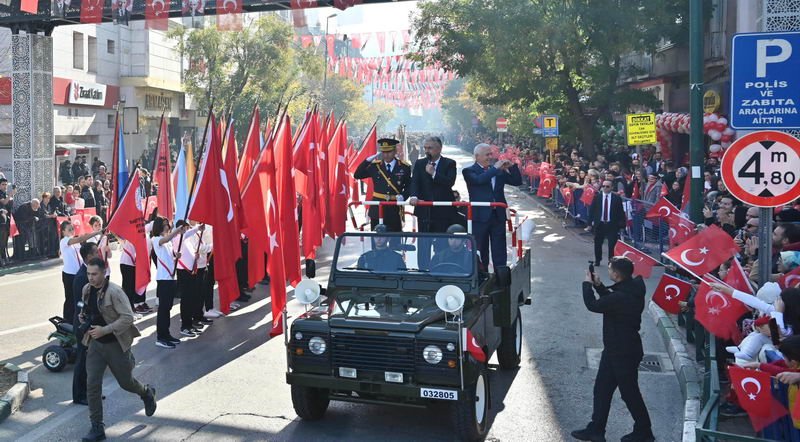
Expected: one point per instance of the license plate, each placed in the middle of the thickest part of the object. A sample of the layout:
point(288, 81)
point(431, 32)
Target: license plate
point(435, 393)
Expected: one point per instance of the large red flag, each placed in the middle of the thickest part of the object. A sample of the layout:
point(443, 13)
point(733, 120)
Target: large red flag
point(642, 263)
point(588, 195)
point(718, 312)
point(254, 202)
point(300, 149)
point(229, 15)
point(92, 11)
point(368, 148)
point(162, 174)
point(230, 162)
point(680, 229)
point(704, 252)
point(754, 391)
point(791, 279)
point(339, 181)
point(252, 147)
point(737, 278)
point(670, 292)
point(287, 203)
point(277, 284)
point(313, 219)
point(127, 222)
point(156, 15)
point(661, 209)
point(212, 204)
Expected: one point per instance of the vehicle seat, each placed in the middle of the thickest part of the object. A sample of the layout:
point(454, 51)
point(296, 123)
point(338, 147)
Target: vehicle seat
point(66, 328)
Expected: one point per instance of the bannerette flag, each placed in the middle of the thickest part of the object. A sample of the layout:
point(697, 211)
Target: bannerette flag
point(128, 224)
point(14, 230)
point(670, 292)
point(31, 6)
point(791, 279)
point(642, 263)
point(588, 195)
point(277, 286)
point(680, 229)
point(718, 312)
point(754, 392)
point(704, 252)
point(662, 209)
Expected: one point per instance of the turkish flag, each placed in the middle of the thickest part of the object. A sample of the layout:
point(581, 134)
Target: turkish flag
point(368, 148)
point(642, 263)
point(92, 11)
point(754, 392)
point(79, 223)
point(546, 185)
point(791, 279)
point(661, 209)
point(230, 164)
point(670, 292)
point(588, 195)
point(254, 202)
point(162, 175)
point(277, 285)
point(680, 229)
point(212, 204)
point(252, 148)
point(472, 346)
point(128, 224)
point(737, 278)
point(566, 192)
point(718, 312)
point(229, 15)
point(704, 252)
point(156, 16)
point(312, 202)
point(337, 181)
point(14, 230)
point(287, 203)
point(300, 149)
point(31, 6)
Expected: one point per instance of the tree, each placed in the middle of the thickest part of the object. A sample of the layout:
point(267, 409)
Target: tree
point(563, 56)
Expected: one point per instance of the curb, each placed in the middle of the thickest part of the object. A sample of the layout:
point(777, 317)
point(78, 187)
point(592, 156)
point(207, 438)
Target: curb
point(685, 370)
point(47, 263)
point(12, 401)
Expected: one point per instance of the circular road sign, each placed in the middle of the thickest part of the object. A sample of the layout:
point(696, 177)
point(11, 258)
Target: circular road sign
point(763, 168)
point(501, 123)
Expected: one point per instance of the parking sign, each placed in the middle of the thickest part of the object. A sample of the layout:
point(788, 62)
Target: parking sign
point(765, 84)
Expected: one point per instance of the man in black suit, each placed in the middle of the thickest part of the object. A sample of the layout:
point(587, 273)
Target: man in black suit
point(432, 179)
point(608, 217)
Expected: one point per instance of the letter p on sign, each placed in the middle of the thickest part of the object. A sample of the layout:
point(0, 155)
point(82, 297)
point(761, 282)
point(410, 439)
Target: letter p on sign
point(763, 59)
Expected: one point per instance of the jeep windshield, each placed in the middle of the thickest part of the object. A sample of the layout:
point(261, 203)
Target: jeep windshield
point(403, 253)
point(392, 306)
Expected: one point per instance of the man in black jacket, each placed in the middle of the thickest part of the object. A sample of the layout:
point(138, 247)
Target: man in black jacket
point(621, 305)
point(608, 217)
point(88, 252)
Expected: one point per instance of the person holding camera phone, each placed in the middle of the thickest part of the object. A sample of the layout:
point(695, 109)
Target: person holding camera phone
point(108, 333)
point(88, 251)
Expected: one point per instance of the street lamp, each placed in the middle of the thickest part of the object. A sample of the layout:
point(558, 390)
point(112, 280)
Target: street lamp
point(325, 74)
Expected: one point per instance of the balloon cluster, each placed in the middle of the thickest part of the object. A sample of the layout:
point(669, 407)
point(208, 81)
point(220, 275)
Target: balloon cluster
point(512, 154)
point(714, 126)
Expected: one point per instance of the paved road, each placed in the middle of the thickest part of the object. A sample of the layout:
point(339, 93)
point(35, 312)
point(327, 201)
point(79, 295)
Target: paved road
point(229, 383)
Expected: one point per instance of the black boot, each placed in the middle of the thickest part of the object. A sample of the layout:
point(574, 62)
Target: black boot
point(98, 432)
point(634, 437)
point(150, 401)
point(589, 434)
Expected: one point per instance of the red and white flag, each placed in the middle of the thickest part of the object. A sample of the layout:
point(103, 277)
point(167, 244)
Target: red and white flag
point(754, 391)
point(92, 11)
point(471, 345)
point(229, 181)
point(704, 252)
point(680, 229)
point(791, 279)
point(254, 202)
point(31, 6)
point(670, 292)
point(156, 16)
point(642, 263)
point(162, 175)
point(80, 224)
point(277, 285)
point(546, 185)
point(737, 277)
point(14, 230)
point(287, 203)
point(338, 180)
point(128, 224)
point(566, 192)
point(662, 209)
point(588, 195)
point(368, 148)
point(718, 312)
point(229, 15)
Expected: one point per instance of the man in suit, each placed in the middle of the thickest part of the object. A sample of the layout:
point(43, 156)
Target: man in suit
point(390, 179)
point(432, 179)
point(486, 180)
point(608, 217)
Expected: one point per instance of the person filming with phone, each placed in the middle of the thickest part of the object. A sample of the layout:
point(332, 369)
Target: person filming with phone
point(621, 305)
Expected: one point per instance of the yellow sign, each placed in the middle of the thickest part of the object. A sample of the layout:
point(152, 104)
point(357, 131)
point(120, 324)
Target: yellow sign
point(550, 122)
point(711, 102)
point(640, 128)
point(551, 143)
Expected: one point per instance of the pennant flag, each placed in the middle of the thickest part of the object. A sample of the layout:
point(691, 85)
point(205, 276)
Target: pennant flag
point(91, 11)
point(791, 279)
point(754, 392)
point(642, 263)
point(162, 173)
point(181, 179)
point(718, 312)
point(662, 209)
point(680, 229)
point(229, 15)
point(252, 148)
point(156, 14)
point(698, 256)
point(127, 222)
point(737, 278)
point(14, 230)
point(588, 195)
point(670, 292)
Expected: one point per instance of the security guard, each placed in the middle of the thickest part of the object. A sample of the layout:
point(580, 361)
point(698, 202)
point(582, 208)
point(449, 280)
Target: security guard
point(390, 180)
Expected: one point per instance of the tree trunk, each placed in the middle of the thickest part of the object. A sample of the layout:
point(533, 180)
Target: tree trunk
point(586, 130)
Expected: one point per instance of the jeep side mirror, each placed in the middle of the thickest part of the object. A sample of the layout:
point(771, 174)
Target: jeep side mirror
point(311, 268)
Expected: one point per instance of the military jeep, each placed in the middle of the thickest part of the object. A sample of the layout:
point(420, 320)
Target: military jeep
point(392, 330)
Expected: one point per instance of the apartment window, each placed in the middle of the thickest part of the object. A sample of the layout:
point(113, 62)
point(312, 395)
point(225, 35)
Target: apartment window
point(112, 121)
point(111, 46)
point(92, 54)
point(77, 50)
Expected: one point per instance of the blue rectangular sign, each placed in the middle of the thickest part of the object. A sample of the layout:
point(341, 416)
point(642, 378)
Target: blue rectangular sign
point(765, 81)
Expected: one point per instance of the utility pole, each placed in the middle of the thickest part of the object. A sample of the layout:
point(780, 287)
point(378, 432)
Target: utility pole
point(696, 147)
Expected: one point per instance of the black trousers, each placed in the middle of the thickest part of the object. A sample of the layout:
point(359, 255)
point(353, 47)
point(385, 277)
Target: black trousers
point(391, 218)
point(79, 374)
point(190, 295)
point(603, 232)
point(69, 300)
point(208, 287)
point(166, 296)
point(619, 372)
point(199, 300)
point(129, 284)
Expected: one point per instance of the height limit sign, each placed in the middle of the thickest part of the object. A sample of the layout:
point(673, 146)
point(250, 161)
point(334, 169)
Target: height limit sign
point(762, 168)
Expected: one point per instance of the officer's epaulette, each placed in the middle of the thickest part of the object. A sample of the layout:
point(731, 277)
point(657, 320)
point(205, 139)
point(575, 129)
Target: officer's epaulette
point(405, 163)
point(378, 161)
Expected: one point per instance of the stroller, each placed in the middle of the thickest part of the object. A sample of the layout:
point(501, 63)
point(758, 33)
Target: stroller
point(64, 350)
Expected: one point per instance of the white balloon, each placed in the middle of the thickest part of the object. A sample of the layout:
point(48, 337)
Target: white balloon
point(726, 144)
point(714, 148)
point(713, 117)
point(729, 131)
point(723, 120)
point(715, 134)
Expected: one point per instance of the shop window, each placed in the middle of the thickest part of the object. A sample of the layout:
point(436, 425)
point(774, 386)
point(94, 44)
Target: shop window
point(77, 50)
point(111, 46)
point(92, 54)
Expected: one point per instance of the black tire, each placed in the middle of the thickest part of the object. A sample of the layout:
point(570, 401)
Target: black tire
point(54, 358)
point(309, 403)
point(510, 349)
point(471, 412)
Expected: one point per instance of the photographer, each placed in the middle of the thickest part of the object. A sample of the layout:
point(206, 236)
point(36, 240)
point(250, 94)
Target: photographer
point(621, 305)
point(107, 326)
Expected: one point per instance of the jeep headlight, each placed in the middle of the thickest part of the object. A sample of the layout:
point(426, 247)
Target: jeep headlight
point(317, 345)
point(432, 354)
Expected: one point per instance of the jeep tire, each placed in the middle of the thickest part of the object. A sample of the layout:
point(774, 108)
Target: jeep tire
point(309, 403)
point(471, 412)
point(510, 349)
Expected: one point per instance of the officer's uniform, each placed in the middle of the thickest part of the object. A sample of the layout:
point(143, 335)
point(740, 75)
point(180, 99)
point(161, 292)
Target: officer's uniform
point(381, 260)
point(387, 184)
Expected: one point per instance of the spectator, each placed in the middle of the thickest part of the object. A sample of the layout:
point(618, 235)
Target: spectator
point(6, 207)
point(77, 201)
point(87, 192)
point(101, 203)
point(46, 228)
point(675, 194)
point(25, 217)
point(65, 172)
point(651, 192)
point(607, 217)
point(77, 170)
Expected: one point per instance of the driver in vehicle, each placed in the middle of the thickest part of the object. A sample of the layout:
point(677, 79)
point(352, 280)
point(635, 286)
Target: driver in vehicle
point(381, 258)
point(455, 257)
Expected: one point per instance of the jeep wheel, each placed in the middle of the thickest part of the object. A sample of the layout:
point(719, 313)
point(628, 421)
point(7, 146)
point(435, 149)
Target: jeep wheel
point(54, 358)
point(471, 412)
point(510, 350)
point(309, 403)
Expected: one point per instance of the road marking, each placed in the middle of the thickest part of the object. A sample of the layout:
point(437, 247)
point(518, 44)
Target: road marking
point(23, 328)
point(30, 278)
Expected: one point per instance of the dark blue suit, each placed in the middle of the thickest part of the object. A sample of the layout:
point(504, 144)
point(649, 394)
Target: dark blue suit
point(489, 223)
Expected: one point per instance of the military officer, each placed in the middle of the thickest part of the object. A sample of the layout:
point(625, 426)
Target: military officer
point(390, 180)
point(381, 258)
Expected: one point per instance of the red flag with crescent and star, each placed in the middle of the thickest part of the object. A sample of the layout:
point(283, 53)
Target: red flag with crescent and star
point(661, 209)
point(670, 292)
point(275, 267)
point(718, 312)
point(642, 263)
point(791, 279)
point(754, 392)
point(471, 345)
point(92, 11)
point(229, 15)
point(546, 185)
point(156, 16)
point(566, 192)
point(588, 195)
point(737, 277)
point(680, 229)
point(704, 252)
point(128, 224)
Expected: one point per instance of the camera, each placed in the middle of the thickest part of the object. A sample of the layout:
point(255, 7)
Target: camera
point(84, 320)
point(591, 268)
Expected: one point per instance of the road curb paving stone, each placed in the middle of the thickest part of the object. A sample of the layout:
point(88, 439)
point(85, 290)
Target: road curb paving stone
point(14, 398)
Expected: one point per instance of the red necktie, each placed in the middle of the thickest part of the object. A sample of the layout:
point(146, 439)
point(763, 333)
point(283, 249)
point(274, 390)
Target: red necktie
point(605, 209)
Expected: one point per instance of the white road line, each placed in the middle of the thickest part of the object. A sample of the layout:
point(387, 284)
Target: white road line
point(29, 278)
point(11, 331)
